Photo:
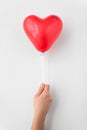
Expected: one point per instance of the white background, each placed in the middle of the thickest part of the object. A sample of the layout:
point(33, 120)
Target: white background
point(66, 64)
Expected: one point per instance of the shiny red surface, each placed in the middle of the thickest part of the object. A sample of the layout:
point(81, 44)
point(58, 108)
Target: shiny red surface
point(42, 31)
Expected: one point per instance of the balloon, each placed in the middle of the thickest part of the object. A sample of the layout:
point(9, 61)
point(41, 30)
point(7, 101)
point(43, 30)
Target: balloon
point(42, 31)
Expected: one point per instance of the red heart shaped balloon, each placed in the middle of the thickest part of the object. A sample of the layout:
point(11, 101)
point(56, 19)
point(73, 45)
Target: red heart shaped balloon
point(42, 31)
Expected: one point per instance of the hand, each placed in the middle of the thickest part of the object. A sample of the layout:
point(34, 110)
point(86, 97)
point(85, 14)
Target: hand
point(42, 102)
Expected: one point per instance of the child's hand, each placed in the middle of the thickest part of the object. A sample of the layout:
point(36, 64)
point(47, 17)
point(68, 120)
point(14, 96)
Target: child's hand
point(42, 101)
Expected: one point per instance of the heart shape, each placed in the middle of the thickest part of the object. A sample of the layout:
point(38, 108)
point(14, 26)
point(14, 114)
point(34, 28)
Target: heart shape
point(42, 31)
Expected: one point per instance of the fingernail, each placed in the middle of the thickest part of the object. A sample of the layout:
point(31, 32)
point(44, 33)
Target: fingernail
point(47, 85)
point(42, 84)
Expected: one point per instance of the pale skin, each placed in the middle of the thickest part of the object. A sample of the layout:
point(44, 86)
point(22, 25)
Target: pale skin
point(42, 102)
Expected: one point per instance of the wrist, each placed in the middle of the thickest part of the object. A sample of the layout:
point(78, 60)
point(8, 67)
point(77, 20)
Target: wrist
point(38, 123)
point(39, 118)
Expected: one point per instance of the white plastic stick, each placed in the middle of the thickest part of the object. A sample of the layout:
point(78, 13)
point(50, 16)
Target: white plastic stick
point(43, 67)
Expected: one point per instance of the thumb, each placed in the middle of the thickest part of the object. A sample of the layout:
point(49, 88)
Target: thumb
point(40, 90)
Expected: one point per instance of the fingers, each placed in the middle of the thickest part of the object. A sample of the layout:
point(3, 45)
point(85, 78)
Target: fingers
point(47, 87)
point(44, 89)
point(46, 93)
point(41, 89)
